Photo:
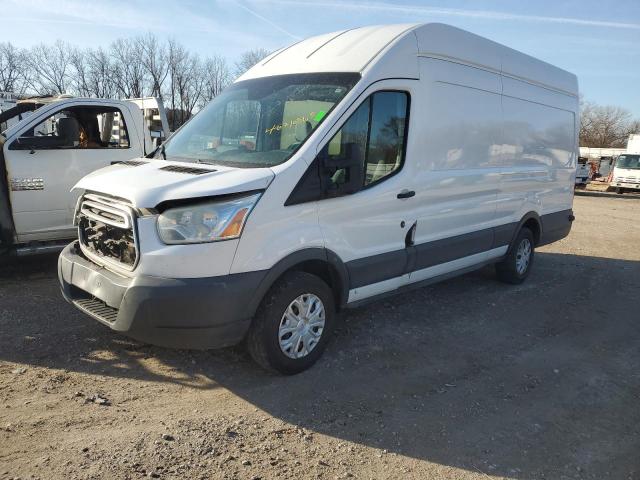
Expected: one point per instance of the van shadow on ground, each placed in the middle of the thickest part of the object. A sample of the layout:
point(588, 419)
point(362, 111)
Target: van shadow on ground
point(538, 380)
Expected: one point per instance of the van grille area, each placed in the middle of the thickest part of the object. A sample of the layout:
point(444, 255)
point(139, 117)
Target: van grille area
point(106, 230)
point(97, 308)
point(628, 179)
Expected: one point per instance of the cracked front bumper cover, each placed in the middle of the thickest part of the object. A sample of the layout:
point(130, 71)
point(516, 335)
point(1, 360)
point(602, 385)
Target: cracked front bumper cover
point(198, 313)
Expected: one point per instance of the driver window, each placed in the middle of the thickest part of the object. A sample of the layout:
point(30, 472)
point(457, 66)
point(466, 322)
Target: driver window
point(372, 139)
point(77, 128)
point(60, 130)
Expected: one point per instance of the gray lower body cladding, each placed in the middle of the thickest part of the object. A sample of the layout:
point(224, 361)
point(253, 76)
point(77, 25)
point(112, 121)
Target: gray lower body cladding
point(368, 270)
point(196, 313)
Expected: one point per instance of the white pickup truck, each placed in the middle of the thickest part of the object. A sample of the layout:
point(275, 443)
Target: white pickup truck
point(48, 144)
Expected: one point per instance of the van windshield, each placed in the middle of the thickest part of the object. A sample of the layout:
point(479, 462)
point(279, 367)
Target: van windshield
point(259, 122)
point(629, 161)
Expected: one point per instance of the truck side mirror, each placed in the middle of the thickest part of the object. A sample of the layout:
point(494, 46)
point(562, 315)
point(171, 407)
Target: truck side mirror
point(341, 174)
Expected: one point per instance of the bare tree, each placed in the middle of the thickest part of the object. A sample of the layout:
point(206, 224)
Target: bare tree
point(101, 74)
point(177, 58)
point(605, 126)
point(50, 67)
point(12, 69)
point(154, 59)
point(249, 59)
point(217, 76)
point(128, 73)
point(189, 86)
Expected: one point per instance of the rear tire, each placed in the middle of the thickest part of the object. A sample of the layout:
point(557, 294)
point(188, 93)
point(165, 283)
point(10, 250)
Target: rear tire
point(515, 267)
point(293, 324)
point(619, 191)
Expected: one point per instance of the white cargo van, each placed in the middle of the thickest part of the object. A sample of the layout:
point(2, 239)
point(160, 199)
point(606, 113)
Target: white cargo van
point(626, 172)
point(51, 143)
point(340, 169)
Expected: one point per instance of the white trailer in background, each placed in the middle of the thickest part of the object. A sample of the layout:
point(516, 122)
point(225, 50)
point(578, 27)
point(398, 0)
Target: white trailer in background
point(49, 143)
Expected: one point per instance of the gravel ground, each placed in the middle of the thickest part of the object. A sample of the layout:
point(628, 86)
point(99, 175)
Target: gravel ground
point(467, 379)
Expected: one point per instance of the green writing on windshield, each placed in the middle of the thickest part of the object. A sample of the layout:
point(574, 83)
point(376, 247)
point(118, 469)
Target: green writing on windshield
point(320, 115)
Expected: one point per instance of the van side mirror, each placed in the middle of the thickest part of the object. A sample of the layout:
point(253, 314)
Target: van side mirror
point(341, 174)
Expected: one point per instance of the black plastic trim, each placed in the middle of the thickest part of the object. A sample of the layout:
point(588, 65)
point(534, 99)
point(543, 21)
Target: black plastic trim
point(337, 268)
point(7, 227)
point(555, 226)
point(181, 202)
point(452, 248)
point(413, 286)
point(377, 268)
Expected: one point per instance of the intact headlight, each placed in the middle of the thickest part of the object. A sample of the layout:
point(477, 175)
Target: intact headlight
point(207, 221)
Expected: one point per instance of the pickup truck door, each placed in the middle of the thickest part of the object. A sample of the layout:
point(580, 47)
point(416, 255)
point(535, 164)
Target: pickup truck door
point(52, 152)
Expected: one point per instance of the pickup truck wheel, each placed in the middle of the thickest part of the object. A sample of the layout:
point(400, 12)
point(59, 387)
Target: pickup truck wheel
point(293, 324)
point(517, 264)
point(619, 191)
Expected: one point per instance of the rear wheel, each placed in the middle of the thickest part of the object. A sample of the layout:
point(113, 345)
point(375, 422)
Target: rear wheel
point(293, 324)
point(619, 191)
point(517, 264)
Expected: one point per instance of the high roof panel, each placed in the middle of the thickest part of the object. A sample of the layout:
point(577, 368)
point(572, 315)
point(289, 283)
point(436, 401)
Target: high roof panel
point(355, 50)
point(342, 51)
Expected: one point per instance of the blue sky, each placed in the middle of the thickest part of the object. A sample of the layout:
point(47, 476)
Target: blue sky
point(597, 40)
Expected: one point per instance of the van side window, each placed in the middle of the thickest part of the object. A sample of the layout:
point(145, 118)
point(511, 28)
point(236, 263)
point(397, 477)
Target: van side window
point(373, 138)
point(77, 128)
point(367, 149)
point(350, 142)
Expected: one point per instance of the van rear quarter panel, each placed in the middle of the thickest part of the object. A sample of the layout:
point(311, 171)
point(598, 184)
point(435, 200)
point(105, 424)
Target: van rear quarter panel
point(538, 150)
point(492, 148)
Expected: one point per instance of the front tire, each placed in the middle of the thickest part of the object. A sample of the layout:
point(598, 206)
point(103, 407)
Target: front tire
point(293, 324)
point(515, 267)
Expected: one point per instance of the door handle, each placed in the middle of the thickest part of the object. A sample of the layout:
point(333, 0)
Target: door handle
point(406, 194)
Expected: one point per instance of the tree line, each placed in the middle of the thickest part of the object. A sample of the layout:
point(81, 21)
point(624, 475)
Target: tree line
point(128, 68)
point(606, 126)
point(146, 66)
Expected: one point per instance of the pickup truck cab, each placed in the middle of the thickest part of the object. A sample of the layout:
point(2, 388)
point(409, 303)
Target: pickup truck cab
point(55, 142)
point(341, 169)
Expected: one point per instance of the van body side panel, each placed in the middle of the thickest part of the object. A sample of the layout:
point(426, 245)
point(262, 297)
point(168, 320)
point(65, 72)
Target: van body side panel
point(458, 126)
point(538, 158)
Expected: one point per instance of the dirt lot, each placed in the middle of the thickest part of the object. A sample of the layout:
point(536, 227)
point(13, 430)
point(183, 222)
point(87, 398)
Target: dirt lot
point(465, 379)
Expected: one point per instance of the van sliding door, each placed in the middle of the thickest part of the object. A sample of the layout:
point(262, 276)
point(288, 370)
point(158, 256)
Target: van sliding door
point(456, 177)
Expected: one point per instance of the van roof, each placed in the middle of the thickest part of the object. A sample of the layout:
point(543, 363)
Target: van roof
point(360, 49)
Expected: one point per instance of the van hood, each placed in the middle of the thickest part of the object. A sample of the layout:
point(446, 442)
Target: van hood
point(146, 182)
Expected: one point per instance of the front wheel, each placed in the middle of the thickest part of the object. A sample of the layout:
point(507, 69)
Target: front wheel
point(517, 264)
point(293, 324)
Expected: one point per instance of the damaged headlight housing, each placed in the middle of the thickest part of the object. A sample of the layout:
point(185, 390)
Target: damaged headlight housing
point(204, 222)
